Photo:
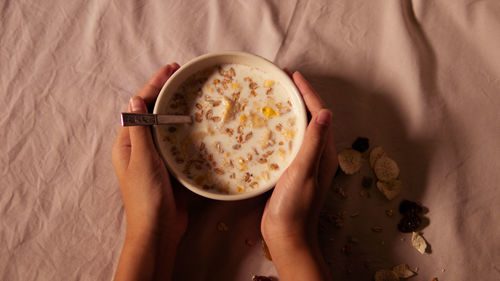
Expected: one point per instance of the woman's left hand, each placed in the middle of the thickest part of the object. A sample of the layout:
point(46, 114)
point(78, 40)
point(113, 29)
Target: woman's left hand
point(155, 215)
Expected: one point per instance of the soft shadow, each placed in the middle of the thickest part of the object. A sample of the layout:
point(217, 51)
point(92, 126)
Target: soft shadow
point(206, 252)
point(350, 242)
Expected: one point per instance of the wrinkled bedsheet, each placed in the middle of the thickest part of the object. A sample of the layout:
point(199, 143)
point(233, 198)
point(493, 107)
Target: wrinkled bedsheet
point(420, 78)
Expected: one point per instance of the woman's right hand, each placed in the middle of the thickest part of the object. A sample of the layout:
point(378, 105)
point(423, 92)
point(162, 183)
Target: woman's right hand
point(290, 220)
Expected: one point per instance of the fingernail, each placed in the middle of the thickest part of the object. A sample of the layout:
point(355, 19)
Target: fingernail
point(324, 117)
point(137, 104)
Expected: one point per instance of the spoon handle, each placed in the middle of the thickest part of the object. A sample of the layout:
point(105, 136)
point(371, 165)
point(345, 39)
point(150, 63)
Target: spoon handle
point(145, 119)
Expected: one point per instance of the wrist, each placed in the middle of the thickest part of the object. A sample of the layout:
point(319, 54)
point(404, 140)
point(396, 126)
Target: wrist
point(298, 259)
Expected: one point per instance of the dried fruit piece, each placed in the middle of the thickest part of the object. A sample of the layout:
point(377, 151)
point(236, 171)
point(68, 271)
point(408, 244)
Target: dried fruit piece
point(361, 144)
point(350, 161)
point(409, 223)
point(390, 189)
point(407, 207)
point(403, 271)
point(386, 169)
point(418, 242)
point(386, 275)
point(375, 154)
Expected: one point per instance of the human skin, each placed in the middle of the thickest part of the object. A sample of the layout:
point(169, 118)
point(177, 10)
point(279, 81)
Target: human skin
point(290, 219)
point(156, 212)
point(156, 215)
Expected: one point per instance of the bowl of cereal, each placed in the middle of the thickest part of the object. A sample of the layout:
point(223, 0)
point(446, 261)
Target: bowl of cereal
point(249, 121)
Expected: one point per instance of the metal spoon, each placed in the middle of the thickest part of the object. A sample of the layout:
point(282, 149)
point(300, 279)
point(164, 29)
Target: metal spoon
point(145, 119)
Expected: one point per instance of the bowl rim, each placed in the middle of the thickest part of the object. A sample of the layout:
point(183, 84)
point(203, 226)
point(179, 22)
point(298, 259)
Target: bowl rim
point(301, 123)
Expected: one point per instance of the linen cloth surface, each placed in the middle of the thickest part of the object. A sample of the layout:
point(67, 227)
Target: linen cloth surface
point(419, 78)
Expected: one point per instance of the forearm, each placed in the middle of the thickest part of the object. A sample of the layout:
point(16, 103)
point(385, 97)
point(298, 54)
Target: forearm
point(165, 261)
point(138, 257)
point(298, 259)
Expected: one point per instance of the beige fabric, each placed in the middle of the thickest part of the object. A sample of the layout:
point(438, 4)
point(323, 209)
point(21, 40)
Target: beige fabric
point(420, 78)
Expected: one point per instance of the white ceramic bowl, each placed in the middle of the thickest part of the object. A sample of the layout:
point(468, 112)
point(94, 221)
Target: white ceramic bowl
point(213, 59)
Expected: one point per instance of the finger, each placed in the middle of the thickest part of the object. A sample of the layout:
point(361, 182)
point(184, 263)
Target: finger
point(120, 153)
point(310, 152)
point(152, 88)
point(328, 163)
point(140, 136)
point(313, 102)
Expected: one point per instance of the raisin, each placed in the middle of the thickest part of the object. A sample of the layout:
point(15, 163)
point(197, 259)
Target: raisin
point(409, 223)
point(407, 207)
point(361, 144)
point(366, 182)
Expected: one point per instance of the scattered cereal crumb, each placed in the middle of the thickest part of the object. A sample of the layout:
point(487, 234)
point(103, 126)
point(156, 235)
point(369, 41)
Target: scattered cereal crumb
point(346, 249)
point(375, 154)
point(222, 227)
point(386, 169)
point(418, 242)
point(377, 228)
point(386, 275)
point(339, 223)
point(340, 191)
point(389, 213)
point(362, 193)
point(403, 271)
point(353, 240)
point(390, 189)
point(350, 161)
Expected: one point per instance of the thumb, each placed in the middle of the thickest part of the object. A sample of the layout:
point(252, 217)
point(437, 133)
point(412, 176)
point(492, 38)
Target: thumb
point(140, 136)
point(314, 142)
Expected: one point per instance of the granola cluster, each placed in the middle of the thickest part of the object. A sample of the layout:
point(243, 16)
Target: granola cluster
point(243, 130)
